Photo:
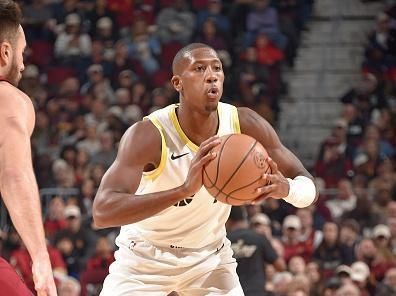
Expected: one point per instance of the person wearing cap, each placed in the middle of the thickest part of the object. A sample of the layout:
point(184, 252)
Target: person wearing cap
point(291, 233)
point(72, 44)
point(360, 275)
point(81, 238)
point(252, 252)
point(261, 224)
point(385, 258)
point(343, 272)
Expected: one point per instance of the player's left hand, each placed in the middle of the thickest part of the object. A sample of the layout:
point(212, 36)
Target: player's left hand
point(43, 277)
point(275, 185)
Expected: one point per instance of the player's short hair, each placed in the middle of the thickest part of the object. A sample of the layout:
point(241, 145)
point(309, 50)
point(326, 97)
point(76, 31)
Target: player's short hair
point(181, 54)
point(10, 19)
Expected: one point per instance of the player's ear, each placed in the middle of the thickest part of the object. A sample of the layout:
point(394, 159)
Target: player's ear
point(177, 83)
point(5, 52)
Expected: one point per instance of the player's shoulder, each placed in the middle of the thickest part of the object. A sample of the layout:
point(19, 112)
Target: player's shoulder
point(248, 117)
point(141, 137)
point(12, 100)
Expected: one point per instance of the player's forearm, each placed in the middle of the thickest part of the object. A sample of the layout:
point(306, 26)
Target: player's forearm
point(20, 194)
point(112, 209)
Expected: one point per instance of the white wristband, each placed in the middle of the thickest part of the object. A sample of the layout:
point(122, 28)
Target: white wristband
point(302, 192)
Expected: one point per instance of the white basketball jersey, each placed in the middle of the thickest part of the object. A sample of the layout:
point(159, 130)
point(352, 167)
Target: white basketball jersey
point(199, 220)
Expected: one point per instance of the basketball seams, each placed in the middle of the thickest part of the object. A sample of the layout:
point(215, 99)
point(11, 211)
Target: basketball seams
point(247, 185)
point(235, 171)
point(218, 163)
point(237, 168)
point(219, 157)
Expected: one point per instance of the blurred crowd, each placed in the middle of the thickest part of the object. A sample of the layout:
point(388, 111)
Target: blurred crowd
point(93, 68)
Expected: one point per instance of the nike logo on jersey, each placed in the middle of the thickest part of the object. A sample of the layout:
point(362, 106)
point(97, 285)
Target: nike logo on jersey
point(173, 157)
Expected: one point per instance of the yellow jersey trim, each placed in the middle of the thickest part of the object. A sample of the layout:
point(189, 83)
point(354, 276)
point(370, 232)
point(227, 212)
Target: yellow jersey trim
point(164, 152)
point(235, 120)
point(182, 135)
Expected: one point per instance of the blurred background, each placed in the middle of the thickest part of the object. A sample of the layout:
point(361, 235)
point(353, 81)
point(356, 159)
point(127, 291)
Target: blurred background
point(322, 72)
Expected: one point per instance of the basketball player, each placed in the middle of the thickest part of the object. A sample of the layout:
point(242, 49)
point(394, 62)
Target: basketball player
point(17, 181)
point(173, 235)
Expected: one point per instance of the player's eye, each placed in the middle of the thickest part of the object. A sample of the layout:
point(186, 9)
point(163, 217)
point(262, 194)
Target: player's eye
point(200, 68)
point(217, 68)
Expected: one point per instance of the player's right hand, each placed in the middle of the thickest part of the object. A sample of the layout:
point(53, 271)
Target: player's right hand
point(194, 178)
point(43, 278)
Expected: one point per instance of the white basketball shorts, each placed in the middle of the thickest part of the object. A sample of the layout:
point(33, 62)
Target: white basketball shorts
point(141, 269)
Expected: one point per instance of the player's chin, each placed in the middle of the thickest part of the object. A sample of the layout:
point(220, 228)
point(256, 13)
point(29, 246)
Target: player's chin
point(211, 106)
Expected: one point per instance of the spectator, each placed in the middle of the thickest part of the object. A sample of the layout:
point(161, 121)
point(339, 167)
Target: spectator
point(106, 153)
point(345, 199)
point(72, 45)
point(252, 252)
point(143, 47)
point(291, 230)
point(213, 12)
point(75, 242)
point(360, 275)
point(55, 220)
point(388, 285)
point(175, 23)
point(330, 253)
point(264, 19)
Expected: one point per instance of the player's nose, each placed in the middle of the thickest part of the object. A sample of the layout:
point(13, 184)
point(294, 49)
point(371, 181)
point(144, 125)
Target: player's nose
point(211, 77)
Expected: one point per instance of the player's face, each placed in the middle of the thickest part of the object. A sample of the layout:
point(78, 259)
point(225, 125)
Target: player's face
point(200, 82)
point(16, 66)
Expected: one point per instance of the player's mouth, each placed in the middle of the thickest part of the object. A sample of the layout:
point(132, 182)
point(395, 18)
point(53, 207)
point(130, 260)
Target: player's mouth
point(213, 93)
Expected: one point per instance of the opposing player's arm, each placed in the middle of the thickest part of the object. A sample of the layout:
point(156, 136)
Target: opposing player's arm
point(282, 161)
point(17, 181)
point(116, 203)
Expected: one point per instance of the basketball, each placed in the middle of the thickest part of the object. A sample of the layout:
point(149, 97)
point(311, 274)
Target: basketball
point(232, 176)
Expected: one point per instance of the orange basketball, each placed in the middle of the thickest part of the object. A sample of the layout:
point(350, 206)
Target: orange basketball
point(232, 176)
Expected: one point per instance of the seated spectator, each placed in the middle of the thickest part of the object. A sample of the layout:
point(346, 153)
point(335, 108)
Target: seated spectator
point(106, 34)
point(388, 284)
point(309, 235)
point(72, 45)
point(330, 253)
point(55, 219)
point(334, 161)
point(356, 124)
point(209, 35)
point(175, 23)
point(291, 239)
point(297, 265)
point(267, 53)
point(264, 19)
point(213, 11)
point(97, 266)
point(360, 275)
point(349, 289)
point(69, 286)
point(345, 199)
point(106, 154)
point(75, 242)
point(63, 174)
point(98, 85)
point(314, 277)
point(144, 47)
point(385, 259)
